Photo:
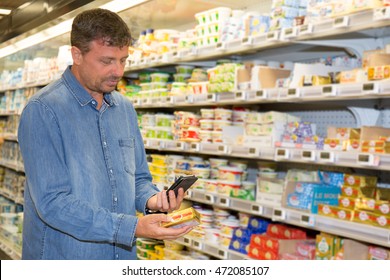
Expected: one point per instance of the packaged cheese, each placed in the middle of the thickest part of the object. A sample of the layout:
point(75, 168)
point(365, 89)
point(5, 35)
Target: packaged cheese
point(186, 217)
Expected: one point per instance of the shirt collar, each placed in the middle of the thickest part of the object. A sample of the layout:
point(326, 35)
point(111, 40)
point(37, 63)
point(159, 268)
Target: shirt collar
point(79, 92)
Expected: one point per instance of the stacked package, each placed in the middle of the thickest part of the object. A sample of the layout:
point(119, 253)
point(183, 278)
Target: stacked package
point(299, 134)
point(265, 129)
point(222, 77)
point(242, 235)
point(186, 126)
point(279, 239)
point(307, 196)
point(284, 12)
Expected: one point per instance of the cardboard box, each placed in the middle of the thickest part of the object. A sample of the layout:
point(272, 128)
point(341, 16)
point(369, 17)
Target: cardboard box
point(378, 59)
point(353, 250)
point(359, 180)
point(343, 133)
point(374, 133)
point(260, 76)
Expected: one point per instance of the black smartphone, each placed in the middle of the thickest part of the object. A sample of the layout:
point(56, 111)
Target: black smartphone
point(184, 182)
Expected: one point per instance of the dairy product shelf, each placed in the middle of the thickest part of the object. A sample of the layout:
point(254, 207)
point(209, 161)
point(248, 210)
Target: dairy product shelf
point(292, 154)
point(275, 212)
point(10, 249)
point(363, 20)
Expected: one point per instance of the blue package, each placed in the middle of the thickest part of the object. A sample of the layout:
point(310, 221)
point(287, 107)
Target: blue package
point(257, 225)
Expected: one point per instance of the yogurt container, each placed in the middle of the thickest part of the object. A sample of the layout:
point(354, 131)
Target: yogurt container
point(203, 173)
point(223, 114)
point(229, 173)
point(217, 162)
point(164, 120)
point(159, 77)
point(212, 235)
point(206, 124)
point(205, 136)
point(224, 187)
point(219, 124)
point(211, 186)
point(228, 226)
point(207, 114)
point(224, 240)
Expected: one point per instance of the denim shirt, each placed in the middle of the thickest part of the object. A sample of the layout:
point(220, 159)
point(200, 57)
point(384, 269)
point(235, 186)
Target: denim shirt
point(86, 174)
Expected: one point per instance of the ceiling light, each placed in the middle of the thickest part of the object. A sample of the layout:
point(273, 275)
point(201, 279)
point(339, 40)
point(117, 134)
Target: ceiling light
point(5, 11)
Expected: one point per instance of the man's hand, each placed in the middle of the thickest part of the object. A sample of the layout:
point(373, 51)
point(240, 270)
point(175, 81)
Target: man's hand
point(149, 227)
point(159, 202)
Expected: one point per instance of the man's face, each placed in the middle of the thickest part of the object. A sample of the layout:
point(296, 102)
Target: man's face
point(100, 69)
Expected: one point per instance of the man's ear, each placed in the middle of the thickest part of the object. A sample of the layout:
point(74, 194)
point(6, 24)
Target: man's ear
point(76, 55)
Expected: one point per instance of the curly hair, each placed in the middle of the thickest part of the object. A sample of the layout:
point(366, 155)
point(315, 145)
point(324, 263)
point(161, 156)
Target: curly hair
point(99, 24)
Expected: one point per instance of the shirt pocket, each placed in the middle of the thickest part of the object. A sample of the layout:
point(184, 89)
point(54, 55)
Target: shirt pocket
point(128, 156)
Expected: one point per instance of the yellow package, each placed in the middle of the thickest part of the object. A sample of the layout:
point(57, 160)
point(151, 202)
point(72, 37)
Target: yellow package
point(182, 218)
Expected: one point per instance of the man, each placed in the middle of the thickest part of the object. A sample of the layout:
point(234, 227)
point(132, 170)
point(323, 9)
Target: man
point(85, 163)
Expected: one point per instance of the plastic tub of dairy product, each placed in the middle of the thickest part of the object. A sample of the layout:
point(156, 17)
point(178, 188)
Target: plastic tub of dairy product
point(229, 173)
point(164, 120)
point(223, 114)
point(219, 14)
point(159, 77)
point(207, 114)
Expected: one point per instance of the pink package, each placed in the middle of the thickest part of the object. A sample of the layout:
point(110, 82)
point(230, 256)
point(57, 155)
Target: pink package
point(306, 248)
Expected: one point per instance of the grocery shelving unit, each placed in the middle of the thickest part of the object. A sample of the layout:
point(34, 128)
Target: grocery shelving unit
point(352, 105)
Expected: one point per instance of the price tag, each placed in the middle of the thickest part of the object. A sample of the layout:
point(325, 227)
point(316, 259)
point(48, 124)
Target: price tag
point(190, 98)
point(240, 96)
point(258, 209)
point(305, 29)
point(272, 36)
point(197, 245)
point(224, 201)
point(341, 22)
point(146, 143)
point(187, 241)
point(223, 149)
point(247, 41)
point(282, 154)
point(168, 99)
point(292, 92)
point(189, 194)
point(136, 102)
point(195, 147)
point(368, 159)
point(221, 46)
point(223, 254)
point(260, 94)
point(308, 155)
point(370, 87)
point(278, 215)
point(327, 156)
point(161, 144)
point(327, 90)
point(382, 13)
point(290, 32)
point(212, 97)
point(253, 152)
point(175, 54)
point(209, 198)
point(307, 220)
point(180, 145)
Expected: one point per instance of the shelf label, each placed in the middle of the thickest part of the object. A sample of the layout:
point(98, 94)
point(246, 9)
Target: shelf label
point(194, 51)
point(146, 143)
point(272, 36)
point(308, 220)
point(223, 254)
point(293, 92)
point(161, 144)
point(253, 152)
point(282, 154)
point(188, 194)
point(223, 149)
point(224, 201)
point(180, 145)
point(327, 156)
point(197, 245)
point(187, 241)
point(290, 32)
point(221, 46)
point(212, 97)
point(169, 99)
point(240, 96)
point(175, 54)
point(261, 94)
point(209, 198)
point(247, 41)
point(195, 147)
point(368, 159)
point(308, 155)
point(371, 87)
point(341, 22)
point(257, 209)
point(327, 90)
point(190, 98)
point(278, 215)
point(305, 29)
point(382, 13)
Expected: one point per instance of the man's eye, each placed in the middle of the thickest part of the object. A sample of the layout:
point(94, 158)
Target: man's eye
point(106, 62)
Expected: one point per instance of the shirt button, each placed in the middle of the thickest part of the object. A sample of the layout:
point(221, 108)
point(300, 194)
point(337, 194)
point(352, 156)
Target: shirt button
point(104, 143)
point(94, 102)
point(117, 256)
point(111, 171)
point(115, 199)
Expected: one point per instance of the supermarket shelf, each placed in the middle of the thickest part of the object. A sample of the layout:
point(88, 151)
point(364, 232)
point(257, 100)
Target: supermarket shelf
point(339, 92)
point(211, 249)
point(293, 154)
point(9, 136)
point(276, 212)
point(26, 85)
point(12, 197)
point(10, 249)
point(339, 26)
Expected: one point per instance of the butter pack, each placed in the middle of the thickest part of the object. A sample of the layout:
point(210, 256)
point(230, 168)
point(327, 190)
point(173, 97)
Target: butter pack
point(182, 218)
